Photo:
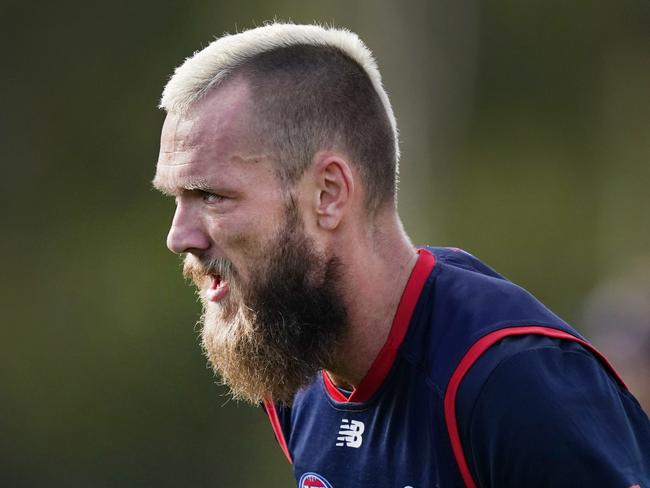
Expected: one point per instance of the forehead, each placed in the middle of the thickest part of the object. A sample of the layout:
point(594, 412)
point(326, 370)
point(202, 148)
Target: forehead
point(216, 137)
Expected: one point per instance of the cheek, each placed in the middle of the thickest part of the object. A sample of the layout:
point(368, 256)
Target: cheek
point(247, 233)
point(244, 242)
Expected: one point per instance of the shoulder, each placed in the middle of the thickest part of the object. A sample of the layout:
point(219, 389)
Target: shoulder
point(469, 289)
point(463, 301)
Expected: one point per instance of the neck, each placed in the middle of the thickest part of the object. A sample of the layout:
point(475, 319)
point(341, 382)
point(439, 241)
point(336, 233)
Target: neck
point(377, 268)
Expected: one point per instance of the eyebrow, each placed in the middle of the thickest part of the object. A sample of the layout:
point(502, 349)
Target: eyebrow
point(176, 187)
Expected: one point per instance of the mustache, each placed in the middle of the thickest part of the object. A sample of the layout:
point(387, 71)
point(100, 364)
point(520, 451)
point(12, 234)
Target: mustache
point(196, 269)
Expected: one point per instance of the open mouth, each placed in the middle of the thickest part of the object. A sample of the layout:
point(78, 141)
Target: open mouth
point(218, 288)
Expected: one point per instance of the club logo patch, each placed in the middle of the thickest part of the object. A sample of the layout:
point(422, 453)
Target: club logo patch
point(313, 480)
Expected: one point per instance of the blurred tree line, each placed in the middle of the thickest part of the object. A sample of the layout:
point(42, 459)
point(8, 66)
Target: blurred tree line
point(524, 130)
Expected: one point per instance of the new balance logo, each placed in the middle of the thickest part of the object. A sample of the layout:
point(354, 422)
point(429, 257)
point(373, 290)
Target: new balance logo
point(350, 433)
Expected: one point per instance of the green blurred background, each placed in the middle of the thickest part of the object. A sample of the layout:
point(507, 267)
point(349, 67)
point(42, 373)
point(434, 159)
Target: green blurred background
point(524, 130)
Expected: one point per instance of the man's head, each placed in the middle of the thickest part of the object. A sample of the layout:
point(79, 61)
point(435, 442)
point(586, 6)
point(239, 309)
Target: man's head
point(313, 88)
point(276, 141)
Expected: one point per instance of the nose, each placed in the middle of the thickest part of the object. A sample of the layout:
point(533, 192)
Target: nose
point(186, 233)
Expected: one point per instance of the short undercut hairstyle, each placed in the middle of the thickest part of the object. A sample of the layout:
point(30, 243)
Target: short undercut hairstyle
point(314, 88)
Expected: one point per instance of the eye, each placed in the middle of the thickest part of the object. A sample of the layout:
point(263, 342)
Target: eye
point(211, 198)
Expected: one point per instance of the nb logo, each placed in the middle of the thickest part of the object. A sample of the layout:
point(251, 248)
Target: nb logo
point(350, 433)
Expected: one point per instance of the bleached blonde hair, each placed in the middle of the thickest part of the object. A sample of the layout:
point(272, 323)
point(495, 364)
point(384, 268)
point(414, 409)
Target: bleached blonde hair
point(227, 55)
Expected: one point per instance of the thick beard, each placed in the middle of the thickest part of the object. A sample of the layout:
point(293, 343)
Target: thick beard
point(270, 336)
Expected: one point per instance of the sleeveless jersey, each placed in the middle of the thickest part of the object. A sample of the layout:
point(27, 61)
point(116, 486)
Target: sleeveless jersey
point(399, 427)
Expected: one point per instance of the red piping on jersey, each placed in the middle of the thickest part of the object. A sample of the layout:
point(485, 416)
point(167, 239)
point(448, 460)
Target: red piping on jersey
point(470, 357)
point(277, 428)
point(331, 388)
point(386, 357)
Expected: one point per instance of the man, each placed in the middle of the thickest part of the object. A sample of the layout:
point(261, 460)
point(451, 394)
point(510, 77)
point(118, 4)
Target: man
point(378, 364)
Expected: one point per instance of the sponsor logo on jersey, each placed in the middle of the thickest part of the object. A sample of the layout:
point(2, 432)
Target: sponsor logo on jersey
point(313, 480)
point(350, 433)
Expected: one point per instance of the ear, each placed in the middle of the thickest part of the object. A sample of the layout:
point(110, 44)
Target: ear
point(334, 189)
